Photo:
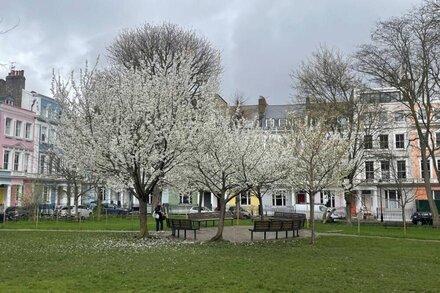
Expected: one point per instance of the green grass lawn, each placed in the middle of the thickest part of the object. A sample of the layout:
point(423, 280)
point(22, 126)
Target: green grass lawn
point(413, 231)
point(91, 262)
point(126, 223)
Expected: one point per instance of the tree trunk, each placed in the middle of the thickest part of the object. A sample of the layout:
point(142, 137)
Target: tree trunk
point(260, 206)
point(312, 216)
point(143, 218)
point(404, 220)
point(68, 194)
point(221, 222)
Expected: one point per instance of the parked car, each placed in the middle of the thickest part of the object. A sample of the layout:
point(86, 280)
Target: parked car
point(83, 212)
point(16, 213)
point(112, 209)
point(243, 214)
point(422, 218)
point(195, 209)
point(336, 213)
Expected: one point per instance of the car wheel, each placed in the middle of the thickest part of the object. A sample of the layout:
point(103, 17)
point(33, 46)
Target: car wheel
point(419, 223)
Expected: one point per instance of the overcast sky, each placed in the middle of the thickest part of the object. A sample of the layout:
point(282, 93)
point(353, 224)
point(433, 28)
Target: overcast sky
point(261, 41)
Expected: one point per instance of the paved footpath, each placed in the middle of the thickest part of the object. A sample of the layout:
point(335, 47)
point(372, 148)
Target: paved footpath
point(230, 233)
point(237, 234)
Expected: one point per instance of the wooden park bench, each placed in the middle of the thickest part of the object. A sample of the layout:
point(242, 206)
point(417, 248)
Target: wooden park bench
point(212, 217)
point(182, 224)
point(276, 226)
point(290, 216)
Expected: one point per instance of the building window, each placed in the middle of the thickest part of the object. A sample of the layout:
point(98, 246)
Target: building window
point(44, 111)
point(245, 199)
point(422, 171)
point(42, 163)
point(279, 198)
point(400, 141)
point(401, 169)
point(26, 162)
point(368, 142)
point(16, 161)
point(46, 194)
point(8, 126)
point(385, 170)
point(369, 170)
point(270, 123)
point(328, 199)
point(436, 194)
point(185, 199)
point(383, 141)
point(43, 134)
point(6, 159)
point(50, 166)
point(437, 139)
point(283, 123)
point(18, 128)
point(392, 199)
point(28, 131)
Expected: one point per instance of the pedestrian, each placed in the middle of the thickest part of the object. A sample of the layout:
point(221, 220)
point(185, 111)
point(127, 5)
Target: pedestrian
point(159, 216)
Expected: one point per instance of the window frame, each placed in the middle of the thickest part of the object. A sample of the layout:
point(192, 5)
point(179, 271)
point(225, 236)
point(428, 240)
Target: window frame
point(18, 128)
point(8, 126)
point(383, 141)
point(368, 142)
point(6, 153)
point(369, 170)
point(399, 143)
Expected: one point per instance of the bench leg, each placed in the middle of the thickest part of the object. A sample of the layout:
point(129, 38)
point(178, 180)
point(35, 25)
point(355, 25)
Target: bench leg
point(264, 235)
point(195, 235)
point(276, 233)
point(184, 232)
point(252, 235)
point(178, 233)
point(286, 233)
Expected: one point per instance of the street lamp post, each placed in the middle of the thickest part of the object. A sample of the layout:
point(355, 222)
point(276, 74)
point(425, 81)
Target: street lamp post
point(380, 198)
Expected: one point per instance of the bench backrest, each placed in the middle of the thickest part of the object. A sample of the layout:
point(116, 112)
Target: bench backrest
point(287, 225)
point(261, 225)
point(180, 223)
point(276, 225)
point(210, 215)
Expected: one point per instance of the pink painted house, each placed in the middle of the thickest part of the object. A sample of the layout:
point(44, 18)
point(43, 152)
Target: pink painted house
point(17, 130)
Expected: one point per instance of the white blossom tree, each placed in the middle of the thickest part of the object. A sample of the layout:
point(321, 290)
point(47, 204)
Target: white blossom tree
point(270, 167)
point(318, 156)
point(129, 126)
point(223, 154)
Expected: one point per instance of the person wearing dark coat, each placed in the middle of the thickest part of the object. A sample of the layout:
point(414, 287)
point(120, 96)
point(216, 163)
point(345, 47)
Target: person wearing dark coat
point(159, 216)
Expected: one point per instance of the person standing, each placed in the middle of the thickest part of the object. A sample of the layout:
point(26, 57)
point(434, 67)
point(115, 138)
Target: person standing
point(159, 216)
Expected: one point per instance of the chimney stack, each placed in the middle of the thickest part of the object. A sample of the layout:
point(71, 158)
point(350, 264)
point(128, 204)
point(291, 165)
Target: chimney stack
point(15, 83)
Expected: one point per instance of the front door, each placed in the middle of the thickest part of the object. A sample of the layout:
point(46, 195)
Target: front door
point(207, 199)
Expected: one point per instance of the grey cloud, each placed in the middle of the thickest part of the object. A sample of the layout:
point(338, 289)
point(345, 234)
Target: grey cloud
point(261, 41)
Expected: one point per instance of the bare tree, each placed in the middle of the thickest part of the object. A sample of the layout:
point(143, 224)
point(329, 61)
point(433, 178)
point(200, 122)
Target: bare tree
point(317, 157)
point(327, 84)
point(404, 54)
point(160, 49)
